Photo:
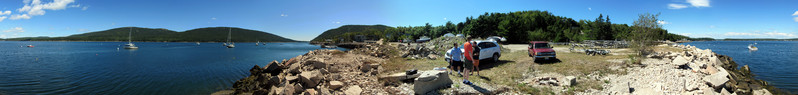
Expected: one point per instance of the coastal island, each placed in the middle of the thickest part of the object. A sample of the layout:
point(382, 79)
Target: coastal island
point(208, 34)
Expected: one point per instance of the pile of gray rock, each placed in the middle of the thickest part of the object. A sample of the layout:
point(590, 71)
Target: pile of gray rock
point(319, 72)
point(418, 51)
point(689, 71)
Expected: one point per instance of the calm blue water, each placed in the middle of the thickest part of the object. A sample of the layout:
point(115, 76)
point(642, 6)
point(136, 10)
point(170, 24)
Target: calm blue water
point(775, 61)
point(155, 68)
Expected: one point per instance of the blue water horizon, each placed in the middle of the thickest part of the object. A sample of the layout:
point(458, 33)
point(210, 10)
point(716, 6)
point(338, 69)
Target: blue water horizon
point(154, 68)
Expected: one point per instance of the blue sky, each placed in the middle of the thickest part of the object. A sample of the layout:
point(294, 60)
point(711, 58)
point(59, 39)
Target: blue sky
point(305, 19)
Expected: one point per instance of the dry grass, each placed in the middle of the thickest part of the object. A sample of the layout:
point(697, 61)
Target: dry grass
point(513, 65)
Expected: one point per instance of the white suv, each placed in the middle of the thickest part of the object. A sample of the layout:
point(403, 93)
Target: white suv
point(488, 49)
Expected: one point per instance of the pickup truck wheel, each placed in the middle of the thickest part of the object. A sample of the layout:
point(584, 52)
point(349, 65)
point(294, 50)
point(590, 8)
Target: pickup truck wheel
point(495, 57)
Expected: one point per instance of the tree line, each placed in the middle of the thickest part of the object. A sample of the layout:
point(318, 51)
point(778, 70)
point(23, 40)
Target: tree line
point(524, 26)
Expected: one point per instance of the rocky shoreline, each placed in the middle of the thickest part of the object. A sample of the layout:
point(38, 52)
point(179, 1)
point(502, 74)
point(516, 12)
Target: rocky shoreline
point(689, 71)
point(318, 72)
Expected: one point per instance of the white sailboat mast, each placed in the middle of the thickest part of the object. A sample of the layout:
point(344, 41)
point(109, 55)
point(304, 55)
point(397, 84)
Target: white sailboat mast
point(129, 33)
point(228, 34)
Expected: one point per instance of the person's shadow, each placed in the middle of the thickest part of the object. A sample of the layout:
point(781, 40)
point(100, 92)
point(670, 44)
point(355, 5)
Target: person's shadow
point(480, 89)
point(550, 61)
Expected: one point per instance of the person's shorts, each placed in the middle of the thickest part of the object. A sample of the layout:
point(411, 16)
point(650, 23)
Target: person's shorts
point(456, 64)
point(468, 65)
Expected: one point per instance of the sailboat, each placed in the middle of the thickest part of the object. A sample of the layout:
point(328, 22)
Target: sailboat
point(257, 44)
point(129, 44)
point(228, 44)
point(198, 43)
point(752, 47)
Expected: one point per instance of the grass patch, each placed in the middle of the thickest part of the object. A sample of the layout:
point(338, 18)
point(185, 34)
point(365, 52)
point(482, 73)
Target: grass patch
point(514, 65)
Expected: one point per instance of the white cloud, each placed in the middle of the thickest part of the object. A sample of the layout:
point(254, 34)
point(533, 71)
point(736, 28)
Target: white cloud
point(774, 34)
point(795, 14)
point(2, 18)
point(699, 3)
point(445, 18)
point(83, 30)
point(796, 19)
point(5, 12)
point(741, 34)
point(79, 6)
point(213, 18)
point(711, 26)
point(676, 6)
point(662, 22)
point(15, 29)
point(17, 16)
point(36, 7)
point(283, 15)
point(337, 22)
point(589, 8)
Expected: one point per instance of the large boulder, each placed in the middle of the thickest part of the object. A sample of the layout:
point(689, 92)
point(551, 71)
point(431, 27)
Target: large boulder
point(569, 81)
point(310, 79)
point(311, 92)
point(273, 68)
point(680, 60)
point(718, 79)
point(294, 68)
point(255, 70)
point(430, 81)
point(353, 90)
point(291, 78)
point(316, 64)
point(336, 84)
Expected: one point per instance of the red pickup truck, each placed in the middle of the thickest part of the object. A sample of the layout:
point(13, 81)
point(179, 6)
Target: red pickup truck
point(541, 50)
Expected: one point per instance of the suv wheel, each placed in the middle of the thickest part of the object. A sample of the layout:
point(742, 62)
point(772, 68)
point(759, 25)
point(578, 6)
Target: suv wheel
point(495, 57)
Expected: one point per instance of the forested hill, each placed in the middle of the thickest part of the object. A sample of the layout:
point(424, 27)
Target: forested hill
point(209, 34)
point(346, 30)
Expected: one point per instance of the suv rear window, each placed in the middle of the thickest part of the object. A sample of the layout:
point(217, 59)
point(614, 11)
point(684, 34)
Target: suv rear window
point(542, 45)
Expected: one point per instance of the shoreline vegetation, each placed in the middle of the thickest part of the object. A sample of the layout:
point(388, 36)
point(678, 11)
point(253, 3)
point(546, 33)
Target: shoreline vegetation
point(208, 34)
point(517, 27)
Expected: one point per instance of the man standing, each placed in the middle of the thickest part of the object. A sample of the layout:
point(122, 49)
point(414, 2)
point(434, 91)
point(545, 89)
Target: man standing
point(456, 62)
point(468, 64)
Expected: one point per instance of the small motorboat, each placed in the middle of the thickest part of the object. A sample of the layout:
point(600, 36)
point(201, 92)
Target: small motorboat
point(752, 47)
point(30, 46)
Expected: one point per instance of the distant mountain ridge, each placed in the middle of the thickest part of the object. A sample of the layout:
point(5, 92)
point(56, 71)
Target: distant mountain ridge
point(208, 34)
point(349, 29)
